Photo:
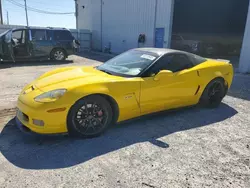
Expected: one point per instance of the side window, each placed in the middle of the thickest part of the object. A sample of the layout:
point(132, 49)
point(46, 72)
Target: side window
point(38, 34)
point(63, 35)
point(23, 36)
point(17, 34)
point(174, 63)
point(179, 62)
point(49, 35)
point(176, 37)
point(8, 37)
point(161, 64)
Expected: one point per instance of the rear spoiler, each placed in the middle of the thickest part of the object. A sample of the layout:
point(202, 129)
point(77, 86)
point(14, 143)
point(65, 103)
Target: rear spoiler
point(223, 60)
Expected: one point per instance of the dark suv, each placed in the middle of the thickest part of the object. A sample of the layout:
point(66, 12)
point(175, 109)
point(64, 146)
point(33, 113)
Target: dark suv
point(37, 43)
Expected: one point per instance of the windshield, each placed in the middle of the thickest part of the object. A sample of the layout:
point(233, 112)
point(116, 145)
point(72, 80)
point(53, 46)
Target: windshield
point(130, 63)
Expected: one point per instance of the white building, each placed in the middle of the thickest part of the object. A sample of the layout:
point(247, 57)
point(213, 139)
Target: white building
point(116, 24)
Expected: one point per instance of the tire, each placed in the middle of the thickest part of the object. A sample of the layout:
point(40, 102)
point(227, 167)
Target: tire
point(58, 54)
point(213, 94)
point(89, 117)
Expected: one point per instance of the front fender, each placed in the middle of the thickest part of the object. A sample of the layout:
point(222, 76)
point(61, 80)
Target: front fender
point(126, 98)
point(77, 93)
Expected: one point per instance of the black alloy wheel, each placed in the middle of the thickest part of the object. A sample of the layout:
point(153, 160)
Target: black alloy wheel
point(213, 93)
point(90, 117)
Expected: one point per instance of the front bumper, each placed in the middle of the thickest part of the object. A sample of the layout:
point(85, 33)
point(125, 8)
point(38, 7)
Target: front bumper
point(23, 128)
point(54, 123)
point(28, 131)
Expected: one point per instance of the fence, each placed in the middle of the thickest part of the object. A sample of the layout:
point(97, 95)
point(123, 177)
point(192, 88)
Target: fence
point(84, 36)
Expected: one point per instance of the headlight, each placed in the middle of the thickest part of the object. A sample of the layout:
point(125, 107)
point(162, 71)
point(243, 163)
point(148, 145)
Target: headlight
point(50, 96)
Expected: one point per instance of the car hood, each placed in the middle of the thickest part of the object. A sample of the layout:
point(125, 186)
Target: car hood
point(73, 75)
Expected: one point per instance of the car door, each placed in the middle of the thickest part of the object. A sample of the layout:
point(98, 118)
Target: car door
point(172, 90)
point(8, 47)
point(20, 47)
point(41, 46)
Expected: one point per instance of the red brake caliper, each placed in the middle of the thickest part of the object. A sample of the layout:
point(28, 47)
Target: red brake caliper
point(100, 113)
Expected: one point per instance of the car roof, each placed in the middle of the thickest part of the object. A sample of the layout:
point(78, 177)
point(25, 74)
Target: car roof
point(160, 51)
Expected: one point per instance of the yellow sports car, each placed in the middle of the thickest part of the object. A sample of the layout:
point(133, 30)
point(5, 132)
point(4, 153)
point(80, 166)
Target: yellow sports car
point(86, 100)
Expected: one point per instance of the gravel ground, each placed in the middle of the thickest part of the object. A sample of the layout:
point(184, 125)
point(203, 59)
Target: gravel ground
point(192, 147)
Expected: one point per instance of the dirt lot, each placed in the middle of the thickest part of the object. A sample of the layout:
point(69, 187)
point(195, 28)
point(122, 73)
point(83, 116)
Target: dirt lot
point(188, 148)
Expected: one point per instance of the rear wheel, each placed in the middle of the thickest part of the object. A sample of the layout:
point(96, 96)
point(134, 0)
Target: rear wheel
point(58, 54)
point(213, 93)
point(89, 117)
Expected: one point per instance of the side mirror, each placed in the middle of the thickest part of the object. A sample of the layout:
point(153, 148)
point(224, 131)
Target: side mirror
point(163, 74)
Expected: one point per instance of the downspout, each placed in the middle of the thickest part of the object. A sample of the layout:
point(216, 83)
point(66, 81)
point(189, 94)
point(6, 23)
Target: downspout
point(76, 13)
point(156, 5)
point(101, 25)
point(171, 23)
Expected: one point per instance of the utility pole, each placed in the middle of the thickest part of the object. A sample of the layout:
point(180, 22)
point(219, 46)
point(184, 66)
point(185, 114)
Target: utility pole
point(76, 13)
point(1, 13)
point(26, 13)
point(8, 23)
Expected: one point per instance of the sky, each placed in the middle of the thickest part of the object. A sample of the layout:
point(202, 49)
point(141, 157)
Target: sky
point(17, 14)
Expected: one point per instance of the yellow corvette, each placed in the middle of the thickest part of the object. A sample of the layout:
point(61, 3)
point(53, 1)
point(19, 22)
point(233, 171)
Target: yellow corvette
point(86, 100)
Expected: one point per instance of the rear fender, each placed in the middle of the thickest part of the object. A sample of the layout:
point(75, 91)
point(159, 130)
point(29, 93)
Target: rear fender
point(218, 74)
point(207, 77)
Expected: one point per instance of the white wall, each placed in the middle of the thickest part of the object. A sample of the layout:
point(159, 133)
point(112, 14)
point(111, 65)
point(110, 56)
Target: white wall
point(89, 18)
point(245, 51)
point(84, 20)
point(96, 25)
point(123, 20)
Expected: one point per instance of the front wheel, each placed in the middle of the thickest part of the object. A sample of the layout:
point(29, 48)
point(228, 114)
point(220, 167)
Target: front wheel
point(213, 94)
point(58, 54)
point(89, 117)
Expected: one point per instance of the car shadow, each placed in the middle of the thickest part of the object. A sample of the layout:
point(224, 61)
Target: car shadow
point(53, 152)
point(9, 64)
